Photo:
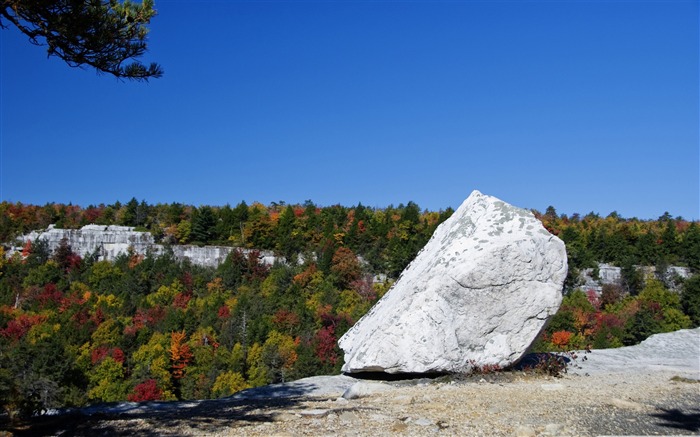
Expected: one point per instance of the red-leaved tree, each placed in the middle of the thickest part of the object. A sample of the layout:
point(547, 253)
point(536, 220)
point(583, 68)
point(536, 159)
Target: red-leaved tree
point(146, 391)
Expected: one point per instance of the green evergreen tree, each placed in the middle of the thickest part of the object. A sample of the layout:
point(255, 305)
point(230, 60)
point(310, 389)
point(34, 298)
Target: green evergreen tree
point(647, 249)
point(203, 223)
point(129, 213)
point(142, 213)
point(175, 213)
point(690, 299)
point(631, 278)
point(691, 247)
point(669, 242)
point(105, 35)
point(225, 225)
point(288, 235)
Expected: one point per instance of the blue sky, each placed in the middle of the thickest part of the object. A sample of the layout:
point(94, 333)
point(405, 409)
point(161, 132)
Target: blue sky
point(586, 106)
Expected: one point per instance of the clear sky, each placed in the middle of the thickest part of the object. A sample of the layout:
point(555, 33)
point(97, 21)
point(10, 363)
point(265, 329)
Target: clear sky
point(588, 106)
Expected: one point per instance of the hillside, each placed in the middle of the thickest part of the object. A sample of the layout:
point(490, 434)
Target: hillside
point(652, 389)
point(153, 326)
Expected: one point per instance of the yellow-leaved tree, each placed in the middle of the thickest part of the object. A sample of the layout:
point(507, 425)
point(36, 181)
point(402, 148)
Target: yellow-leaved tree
point(152, 362)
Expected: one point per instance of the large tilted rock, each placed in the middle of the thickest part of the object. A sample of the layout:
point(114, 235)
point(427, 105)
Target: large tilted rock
point(477, 294)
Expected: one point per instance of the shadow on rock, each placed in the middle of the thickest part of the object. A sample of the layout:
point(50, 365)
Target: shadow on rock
point(383, 376)
point(167, 418)
point(547, 362)
point(675, 418)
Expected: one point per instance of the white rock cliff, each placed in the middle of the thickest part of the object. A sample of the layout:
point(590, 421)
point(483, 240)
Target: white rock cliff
point(108, 242)
point(477, 295)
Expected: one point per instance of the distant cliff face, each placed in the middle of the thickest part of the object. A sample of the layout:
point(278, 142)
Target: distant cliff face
point(111, 241)
point(108, 242)
point(609, 274)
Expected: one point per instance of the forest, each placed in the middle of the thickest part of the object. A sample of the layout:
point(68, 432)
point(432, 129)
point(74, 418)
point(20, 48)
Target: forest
point(76, 331)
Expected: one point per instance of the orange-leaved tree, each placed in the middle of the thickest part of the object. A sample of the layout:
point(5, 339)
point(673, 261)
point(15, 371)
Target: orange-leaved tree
point(180, 354)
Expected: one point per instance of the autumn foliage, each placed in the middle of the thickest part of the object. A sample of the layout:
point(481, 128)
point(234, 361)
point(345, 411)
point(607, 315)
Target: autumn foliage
point(583, 322)
point(560, 339)
point(147, 327)
point(180, 354)
point(18, 327)
point(146, 391)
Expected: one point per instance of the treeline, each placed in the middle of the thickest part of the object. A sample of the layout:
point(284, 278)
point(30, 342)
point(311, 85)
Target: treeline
point(626, 243)
point(387, 239)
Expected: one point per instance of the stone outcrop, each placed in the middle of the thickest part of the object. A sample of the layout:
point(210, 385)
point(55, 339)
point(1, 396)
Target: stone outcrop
point(677, 352)
point(609, 274)
point(109, 242)
point(476, 295)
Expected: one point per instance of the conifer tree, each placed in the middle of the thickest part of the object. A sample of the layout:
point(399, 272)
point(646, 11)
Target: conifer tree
point(203, 222)
point(103, 34)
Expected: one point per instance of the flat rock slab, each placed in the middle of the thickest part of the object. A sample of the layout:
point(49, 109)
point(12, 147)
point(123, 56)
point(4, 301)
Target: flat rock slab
point(477, 295)
point(331, 386)
point(365, 388)
point(677, 352)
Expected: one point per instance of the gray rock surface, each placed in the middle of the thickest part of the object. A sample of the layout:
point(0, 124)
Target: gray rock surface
point(610, 274)
point(677, 352)
point(324, 385)
point(476, 295)
point(109, 242)
point(365, 388)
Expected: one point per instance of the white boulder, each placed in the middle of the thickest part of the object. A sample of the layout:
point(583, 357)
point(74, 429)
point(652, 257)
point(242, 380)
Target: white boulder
point(476, 295)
